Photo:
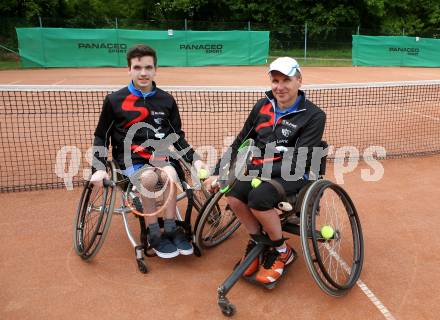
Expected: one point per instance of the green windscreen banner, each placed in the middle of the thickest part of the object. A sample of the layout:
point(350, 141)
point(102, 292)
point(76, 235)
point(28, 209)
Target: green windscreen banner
point(395, 51)
point(61, 47)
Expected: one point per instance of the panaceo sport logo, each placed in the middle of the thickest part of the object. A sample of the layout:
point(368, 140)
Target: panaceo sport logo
point(409, 51)
point(208, 48)
point(111, 47)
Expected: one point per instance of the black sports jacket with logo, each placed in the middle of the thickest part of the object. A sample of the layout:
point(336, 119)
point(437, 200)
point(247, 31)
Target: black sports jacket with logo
point(157, 115)
point(301, 128)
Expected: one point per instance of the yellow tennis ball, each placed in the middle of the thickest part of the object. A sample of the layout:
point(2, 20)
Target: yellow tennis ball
point(203, 174)
point(255, 182)
point(327, 232)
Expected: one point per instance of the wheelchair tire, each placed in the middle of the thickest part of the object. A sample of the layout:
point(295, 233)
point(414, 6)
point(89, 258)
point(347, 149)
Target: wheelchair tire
point(93, 216)
point(200, 194)
point(334, 263)
point(216, 223)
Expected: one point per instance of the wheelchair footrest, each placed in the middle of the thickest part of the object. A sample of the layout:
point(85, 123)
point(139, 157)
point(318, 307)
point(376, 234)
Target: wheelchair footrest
point(268, 286)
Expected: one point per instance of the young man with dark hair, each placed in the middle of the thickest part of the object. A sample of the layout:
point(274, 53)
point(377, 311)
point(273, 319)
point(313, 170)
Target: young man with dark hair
point(153, 115)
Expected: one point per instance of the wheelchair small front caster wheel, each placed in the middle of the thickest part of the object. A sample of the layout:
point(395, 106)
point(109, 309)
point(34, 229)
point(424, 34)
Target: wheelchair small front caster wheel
point(197, 251)
point(227, 308)
point(141, 266)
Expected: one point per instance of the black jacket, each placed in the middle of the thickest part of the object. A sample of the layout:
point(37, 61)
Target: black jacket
point(122, 109)
point(301, 128)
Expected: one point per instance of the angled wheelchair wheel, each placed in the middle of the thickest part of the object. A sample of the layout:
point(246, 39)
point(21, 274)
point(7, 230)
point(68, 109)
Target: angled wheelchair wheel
point(331, 237)
point(216, 222)
point(93, 216)
point(201, 195)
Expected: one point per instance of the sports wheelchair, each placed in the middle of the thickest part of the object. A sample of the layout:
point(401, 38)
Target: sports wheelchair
point(97, 205)
point(334, 262)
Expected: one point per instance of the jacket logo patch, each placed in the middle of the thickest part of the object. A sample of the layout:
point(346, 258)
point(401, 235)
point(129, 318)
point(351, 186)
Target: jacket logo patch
point(286, 132)
point(289, 124)
point(266, 110)
point(158, 121)
point(128, 105)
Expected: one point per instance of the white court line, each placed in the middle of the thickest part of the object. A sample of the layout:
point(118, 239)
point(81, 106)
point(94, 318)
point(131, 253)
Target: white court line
point(370, 295)
point(417, 113)
point(15, 82)
point(59, 82)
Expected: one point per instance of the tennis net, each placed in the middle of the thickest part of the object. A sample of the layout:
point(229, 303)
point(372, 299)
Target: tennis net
point(47, 130)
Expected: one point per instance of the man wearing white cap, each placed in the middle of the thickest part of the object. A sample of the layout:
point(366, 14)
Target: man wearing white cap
point(280, 124)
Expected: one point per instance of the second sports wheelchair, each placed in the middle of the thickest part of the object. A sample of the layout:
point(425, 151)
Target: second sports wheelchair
point(324, 217)
point(97, 205)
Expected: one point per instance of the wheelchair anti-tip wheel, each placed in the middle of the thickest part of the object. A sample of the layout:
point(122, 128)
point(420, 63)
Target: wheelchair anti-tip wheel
point(94, 215)
point(334, 257)
point(217, 222)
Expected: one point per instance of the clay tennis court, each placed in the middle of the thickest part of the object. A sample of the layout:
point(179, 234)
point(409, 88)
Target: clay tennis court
point(41, 277)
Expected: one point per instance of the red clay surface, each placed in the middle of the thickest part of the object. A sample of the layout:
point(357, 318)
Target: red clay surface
point(215, 76)
point(42, 278)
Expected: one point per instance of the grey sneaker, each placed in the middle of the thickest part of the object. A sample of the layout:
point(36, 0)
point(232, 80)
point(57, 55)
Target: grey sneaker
point(166, 248)
point(181, 242)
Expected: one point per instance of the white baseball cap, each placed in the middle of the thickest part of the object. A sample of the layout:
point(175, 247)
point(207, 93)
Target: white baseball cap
point(285, 65)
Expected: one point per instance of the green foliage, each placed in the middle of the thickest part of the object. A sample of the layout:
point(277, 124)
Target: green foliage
point(330, 23)
point(387, 16)
point(8, 64)
point(414, 16)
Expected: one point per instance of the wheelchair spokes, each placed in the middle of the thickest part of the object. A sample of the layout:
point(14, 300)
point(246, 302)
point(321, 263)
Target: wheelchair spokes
point(334, 263)
point(217, 222)
point(93, 217)
point(200, 195)
point(209, 228)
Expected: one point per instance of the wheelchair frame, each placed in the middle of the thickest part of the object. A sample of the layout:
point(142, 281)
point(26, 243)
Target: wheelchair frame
point(306, 204)
point(104, 210)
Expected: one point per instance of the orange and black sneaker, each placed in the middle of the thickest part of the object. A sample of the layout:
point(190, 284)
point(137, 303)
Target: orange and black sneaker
point(274, 264)
point(253, 267)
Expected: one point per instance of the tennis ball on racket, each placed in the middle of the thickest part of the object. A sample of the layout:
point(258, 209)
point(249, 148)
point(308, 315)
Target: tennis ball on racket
point(255, 182)
point(203, 174)
point(327, 232)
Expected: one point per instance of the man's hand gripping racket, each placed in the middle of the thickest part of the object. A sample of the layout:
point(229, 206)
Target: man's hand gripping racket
point(234, 170)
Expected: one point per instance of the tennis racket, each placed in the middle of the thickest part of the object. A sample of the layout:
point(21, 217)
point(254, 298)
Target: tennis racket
point(237, 168)
point(157, 192)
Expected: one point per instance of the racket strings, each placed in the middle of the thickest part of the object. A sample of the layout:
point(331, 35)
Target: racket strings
point(155, 191)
